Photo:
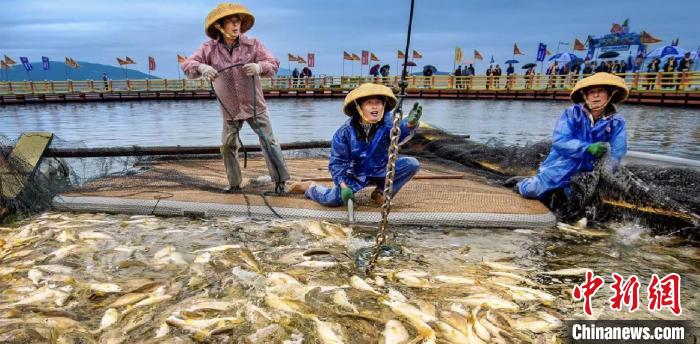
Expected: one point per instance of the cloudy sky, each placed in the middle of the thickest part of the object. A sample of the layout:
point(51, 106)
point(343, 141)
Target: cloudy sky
point(99, 31)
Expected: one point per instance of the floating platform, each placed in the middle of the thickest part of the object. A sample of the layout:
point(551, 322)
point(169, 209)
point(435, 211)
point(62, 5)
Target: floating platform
point(191, 188)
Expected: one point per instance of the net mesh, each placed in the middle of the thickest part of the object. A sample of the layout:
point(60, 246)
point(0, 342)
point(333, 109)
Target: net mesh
point(478, 194)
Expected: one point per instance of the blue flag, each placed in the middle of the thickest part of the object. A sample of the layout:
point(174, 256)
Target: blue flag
point(492, 60)
point(45, 62)
point(25, 62)
point(591, 51)
point(541, 52)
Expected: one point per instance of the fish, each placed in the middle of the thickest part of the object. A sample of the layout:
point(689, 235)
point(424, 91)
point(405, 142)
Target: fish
point(492, 301)
point(195, 325)
point(4, 270)
point(168, 255)
point(90, 235)
point(329, 231)
point(162, 331)
point(268, 334)
point(67, 235)
point(513, 277)
point(219, 248)
point(127, 299)
point(325, 332)
point(46, 295)
point(395, 332)
point(412, 278)
point(256, 316)
point(567, 272)
point(55, 269)
point(316, 264)
point(105, 288)
point(286, 304)
point(110, 318)
point(542, 295)
point(35, 275)
point(416, 318)
point(212, 305)
point(63, 252)
point(454, 279)
point(451, 334)
point(151, 300)
point(203, 258)
point(249, 258)
point(395, 295)
point(340, 298)
point(358, 283)
point(580, 231)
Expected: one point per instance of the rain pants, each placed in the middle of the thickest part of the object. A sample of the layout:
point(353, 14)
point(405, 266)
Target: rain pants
point(359, 161)
point(574, 132)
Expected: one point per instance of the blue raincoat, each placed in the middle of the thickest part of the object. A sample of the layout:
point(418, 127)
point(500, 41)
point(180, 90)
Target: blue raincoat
point(359, 162)
point(573, 134)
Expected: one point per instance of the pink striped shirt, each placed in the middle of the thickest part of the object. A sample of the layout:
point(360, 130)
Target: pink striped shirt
point(233, 87)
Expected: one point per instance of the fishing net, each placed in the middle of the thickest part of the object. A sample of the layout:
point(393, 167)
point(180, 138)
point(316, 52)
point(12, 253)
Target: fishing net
point(463, 185)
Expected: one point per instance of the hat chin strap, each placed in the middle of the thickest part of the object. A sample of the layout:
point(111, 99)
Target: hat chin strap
point(218, 27)
point(359, 110)
point(602, 106)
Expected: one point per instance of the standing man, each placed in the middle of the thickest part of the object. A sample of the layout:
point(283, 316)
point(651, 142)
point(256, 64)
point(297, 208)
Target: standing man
point(234, 63)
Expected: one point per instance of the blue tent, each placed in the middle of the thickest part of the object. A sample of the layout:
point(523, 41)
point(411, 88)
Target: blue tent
point(565, 58)
point(668, 50)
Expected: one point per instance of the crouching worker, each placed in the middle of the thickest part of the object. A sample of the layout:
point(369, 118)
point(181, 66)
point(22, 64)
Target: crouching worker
point(359, 150)
point(583, 134)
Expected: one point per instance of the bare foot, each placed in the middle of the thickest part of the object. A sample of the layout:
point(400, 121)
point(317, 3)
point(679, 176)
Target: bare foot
point(298, 187)
point(378, 197)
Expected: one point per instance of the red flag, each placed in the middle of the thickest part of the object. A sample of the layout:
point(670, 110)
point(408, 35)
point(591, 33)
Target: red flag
point(73, 64)
point(120, 61)
point(373, 57)
point(311, 59)
point(151, 63)
point(578, 45)
point(616, 28)
point(417, 55)
point(181, 59)
point(516, 50)
point(291, 58)
point(400, 55)
point(8, 61)
point(347, 56)
point(477, 55)
point(300, 60)
point(129, 60)
point(365, 57)
point(355, 57)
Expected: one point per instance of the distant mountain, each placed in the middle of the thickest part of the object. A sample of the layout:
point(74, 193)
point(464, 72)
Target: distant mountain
point(87, 71)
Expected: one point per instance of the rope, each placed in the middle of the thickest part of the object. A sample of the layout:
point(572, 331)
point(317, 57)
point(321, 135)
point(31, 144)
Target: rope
point(397, 116)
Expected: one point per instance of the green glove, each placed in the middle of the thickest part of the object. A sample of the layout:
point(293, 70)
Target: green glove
point(346, 194)
point(597, 149)
point(415, 114)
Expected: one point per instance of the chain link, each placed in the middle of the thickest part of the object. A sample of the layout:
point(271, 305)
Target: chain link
point(397, 116)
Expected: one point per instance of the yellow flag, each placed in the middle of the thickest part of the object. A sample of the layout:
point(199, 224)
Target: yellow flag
point(458, 55)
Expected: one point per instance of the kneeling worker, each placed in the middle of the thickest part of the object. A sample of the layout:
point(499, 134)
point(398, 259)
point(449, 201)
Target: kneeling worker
point(581, 136)
point(359, 150)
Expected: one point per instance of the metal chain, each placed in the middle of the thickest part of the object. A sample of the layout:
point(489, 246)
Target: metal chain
point(397, 116)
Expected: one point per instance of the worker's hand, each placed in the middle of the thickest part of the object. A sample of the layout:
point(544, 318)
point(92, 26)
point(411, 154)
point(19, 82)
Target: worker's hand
point(346, 194)
point(597, 149)
point(207, 72)
point(251, 69)
point(415, 114)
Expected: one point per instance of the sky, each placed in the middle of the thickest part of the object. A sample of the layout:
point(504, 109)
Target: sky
point(100, 31)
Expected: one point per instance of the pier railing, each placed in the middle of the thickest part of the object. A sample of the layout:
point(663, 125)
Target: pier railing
point(682, 82)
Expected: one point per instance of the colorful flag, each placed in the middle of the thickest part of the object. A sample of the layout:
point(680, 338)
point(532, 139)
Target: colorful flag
point(129, 60)
point(122, 62)
point(578, 45)
point(311, 59)
point(25, 61)
point(400, 55)
point(181, 59)
point(300, 60)
point(647, 38)
point(417, 55)
point(516, 50)
point(373, 57)
point(616, 28)
point(9, 61)
point(291, 58)
point(365, 57)
point(347, 56)
point(541, 52)
point(458, 55)
point(151, 63)
point(71, 63)
point(477, 55)
point(355, 57)
point(45, 63)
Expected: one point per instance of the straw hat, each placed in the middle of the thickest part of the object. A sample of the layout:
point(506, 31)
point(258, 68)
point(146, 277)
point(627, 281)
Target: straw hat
point(601, 79)
point(226, 9)
point(367, 90)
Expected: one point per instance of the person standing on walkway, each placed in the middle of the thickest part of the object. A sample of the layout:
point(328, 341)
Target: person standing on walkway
point(234, 63)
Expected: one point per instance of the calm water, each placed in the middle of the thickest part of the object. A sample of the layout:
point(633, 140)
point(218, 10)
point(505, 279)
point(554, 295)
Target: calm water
point(671, 131)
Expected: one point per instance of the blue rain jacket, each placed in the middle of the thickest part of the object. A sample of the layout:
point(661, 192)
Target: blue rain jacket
point(573, 134)
point(354, 160)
